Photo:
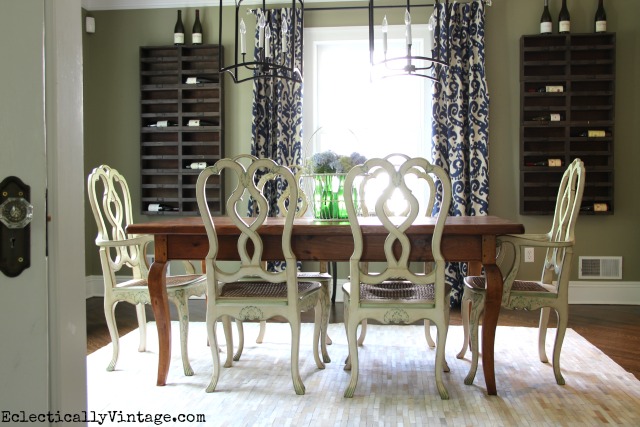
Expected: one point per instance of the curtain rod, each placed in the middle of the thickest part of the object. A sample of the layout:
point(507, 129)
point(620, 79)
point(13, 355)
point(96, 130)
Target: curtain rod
point(317, 9)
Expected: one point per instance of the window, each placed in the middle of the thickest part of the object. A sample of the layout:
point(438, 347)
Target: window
point(348, 111)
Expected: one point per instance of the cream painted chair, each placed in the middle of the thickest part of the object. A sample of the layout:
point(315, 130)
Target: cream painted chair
point(396, 294)
point(322, 276)
point(551, 291)
point(111, 206)
point(248, 291)
point(430, 197)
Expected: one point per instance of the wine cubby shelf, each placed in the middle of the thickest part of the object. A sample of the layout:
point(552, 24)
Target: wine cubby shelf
point(567, 99)
point(179, 85)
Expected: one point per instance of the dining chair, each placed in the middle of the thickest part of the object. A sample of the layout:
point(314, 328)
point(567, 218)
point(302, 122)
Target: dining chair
point(322, 276)
point(248, 291)
point(396, 294)
point(111, 206)
point(429, 193)
point(551, 291)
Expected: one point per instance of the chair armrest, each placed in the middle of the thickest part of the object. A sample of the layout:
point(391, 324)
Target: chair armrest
point(533, 240)
point(138, 240)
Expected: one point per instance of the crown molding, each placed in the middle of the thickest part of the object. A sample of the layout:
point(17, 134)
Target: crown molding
point(95, 5)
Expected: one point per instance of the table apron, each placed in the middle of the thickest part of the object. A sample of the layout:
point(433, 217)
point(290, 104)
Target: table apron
point(327, 248)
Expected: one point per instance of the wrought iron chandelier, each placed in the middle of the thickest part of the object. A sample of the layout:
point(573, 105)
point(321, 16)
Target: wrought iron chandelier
point(409, 64)
point(264, 62)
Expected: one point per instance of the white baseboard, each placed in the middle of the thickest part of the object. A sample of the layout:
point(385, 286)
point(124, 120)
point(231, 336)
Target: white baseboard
point(600, 292)
point(580, 292)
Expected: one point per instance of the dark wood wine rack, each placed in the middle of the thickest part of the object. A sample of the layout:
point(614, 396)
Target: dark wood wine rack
point(583, 65)
point(165, 152)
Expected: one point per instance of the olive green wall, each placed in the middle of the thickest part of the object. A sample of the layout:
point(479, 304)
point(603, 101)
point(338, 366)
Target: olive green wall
point(112, 109)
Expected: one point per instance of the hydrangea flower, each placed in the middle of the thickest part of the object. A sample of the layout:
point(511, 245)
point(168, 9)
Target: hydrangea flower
point(330, 162)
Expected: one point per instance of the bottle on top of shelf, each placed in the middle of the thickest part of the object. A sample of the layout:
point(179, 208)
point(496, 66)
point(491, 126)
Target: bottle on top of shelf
point(564, 20)
point(546, 24)
point(601, 18)
point(178, 31)
point(196, 33)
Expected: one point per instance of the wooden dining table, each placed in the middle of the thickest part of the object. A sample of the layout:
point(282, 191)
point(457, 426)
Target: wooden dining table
point(469, 239)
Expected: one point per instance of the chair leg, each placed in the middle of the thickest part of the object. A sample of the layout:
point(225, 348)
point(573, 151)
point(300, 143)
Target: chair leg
point(298, 385)
point(464, 311)
point(427, 333)
point(226, 324)
point(334, 274)
point(215, 356)
point(347, 361)
point(318, 332)
point(182, 305)
point(476, 309)
point(542, 333)
point(109, 314)
point(557, 346)
point(352, 328)
point(263, 328)
point(363, 332)
point(142, 326)
point(324, 337)
point(240, 327)
point(440, 361)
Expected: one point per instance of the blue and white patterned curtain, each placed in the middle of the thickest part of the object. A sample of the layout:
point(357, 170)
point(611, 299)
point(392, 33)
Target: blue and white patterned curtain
point(277, 104)
point(461, 117)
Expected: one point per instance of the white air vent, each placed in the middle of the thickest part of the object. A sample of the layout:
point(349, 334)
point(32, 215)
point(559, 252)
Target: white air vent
point(603, 267)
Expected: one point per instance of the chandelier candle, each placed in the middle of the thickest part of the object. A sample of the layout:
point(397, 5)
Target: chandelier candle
point(385, 30)
point(407, 21)
point(243, 41)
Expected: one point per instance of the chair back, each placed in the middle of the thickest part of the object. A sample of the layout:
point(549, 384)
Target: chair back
point(111, 206)
point(421, 186)
point(249, 245)
point(566, 213)
point(397, 246)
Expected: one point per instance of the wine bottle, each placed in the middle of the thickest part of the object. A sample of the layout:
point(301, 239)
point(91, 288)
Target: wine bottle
point(549, 162)
point(198, 80)
point(196, 33)
point(196, 165)
point(162, 124)
point(160, 207)
point(199, 122)
point(178, 31)
point(552, 117)
point(564, 20)
point(595, 207)
point(595, 133)
point(601, 18)
point(545, 20)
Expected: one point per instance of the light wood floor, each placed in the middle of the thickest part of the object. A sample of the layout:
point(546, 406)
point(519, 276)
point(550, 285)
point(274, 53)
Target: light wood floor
point(614, 329)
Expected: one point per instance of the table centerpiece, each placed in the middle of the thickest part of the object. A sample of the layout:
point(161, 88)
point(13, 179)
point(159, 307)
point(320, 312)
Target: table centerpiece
point(328, 171)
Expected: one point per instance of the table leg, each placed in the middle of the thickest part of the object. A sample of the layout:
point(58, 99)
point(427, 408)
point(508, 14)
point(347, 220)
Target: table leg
point(493, 300)
point(160, 306)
